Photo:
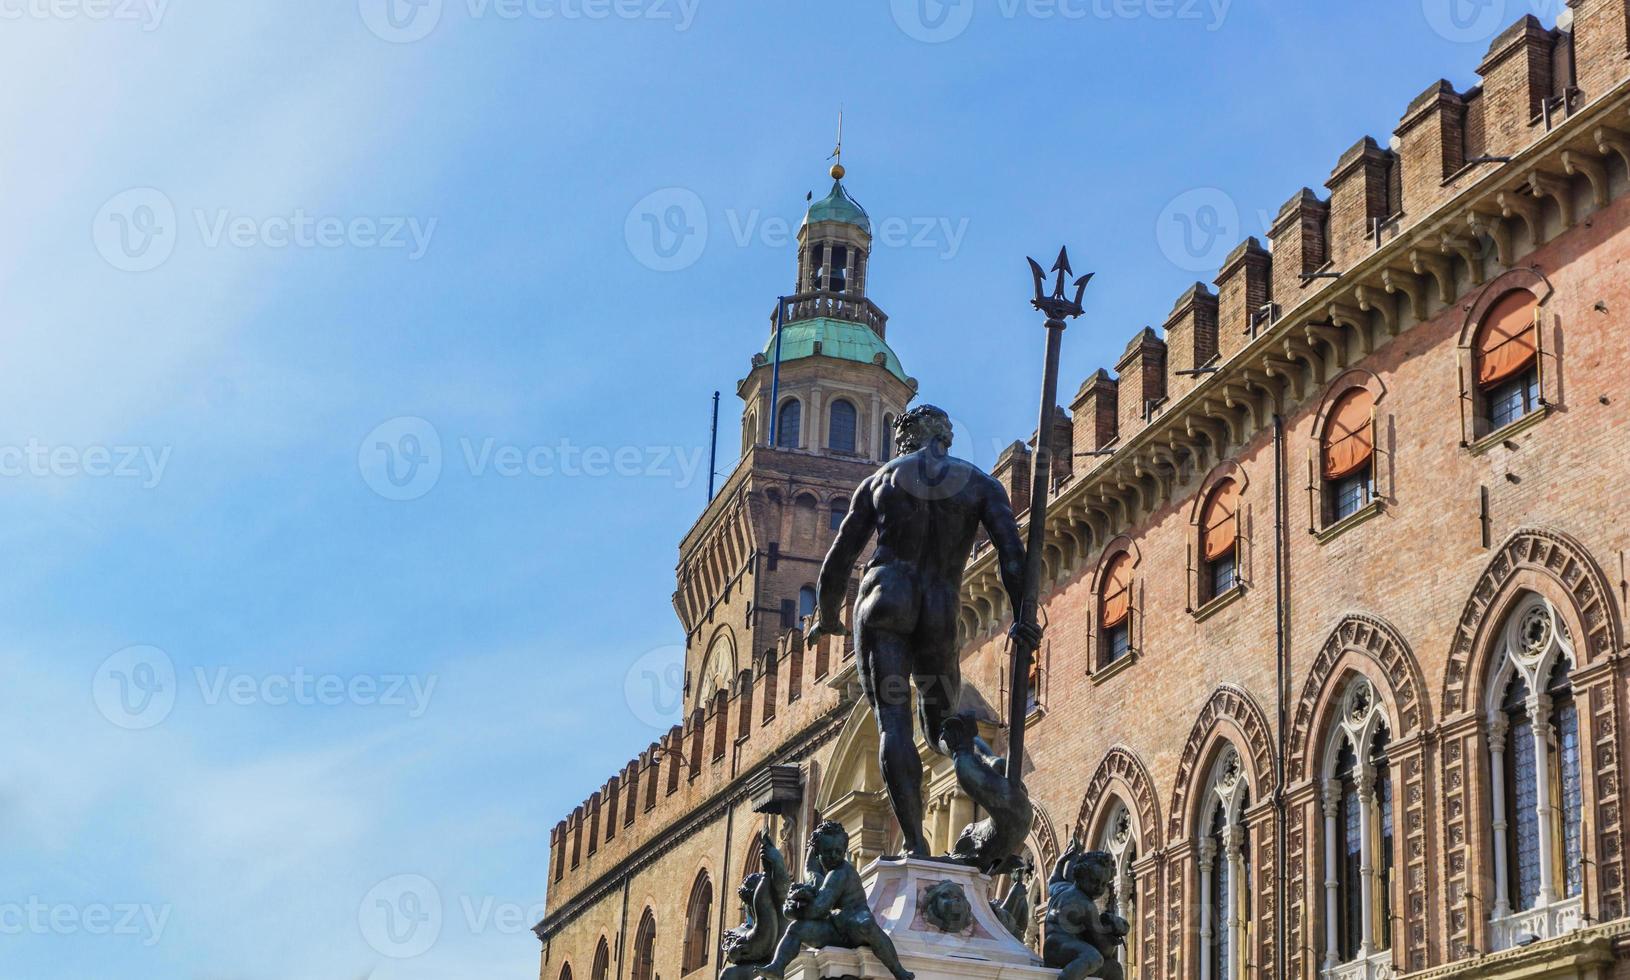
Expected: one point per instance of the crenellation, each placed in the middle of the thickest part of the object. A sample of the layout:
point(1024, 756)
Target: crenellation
point(1299, 247)
point(1062, 446)
point(1431, 147)
point(1142, 371)
point(1600, 33)
point(1244, 290)
point(1094, 416)
point(1191, 337)
point(1517, 80)
point(1013, 470)
point(1359, 199)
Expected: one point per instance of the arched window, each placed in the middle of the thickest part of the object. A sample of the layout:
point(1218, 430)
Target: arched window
point(841, 426)
point(806, 602)
point(1115, 610)
point(1348, 455)
point(1358, 838)
point(698, 915)
point(1535, 771)
point(749, 431)
point(788, 424)
point(1120, 842)
point(1506, 355)
point(565, 971)
point(645, 948)
point(885, 448)
point(602, 961)
point(1219, 541)
point(1225, 872)
point(838, 511)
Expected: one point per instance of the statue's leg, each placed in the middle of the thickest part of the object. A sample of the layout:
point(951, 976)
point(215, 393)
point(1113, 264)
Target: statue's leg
point(937, 668)
point(1087, 963)
point(885, 677)
point(1111, 970)
point(874, 938)
point(813, 933)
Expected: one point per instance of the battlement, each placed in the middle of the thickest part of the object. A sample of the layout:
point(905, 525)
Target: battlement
point(785, 692)
point(1467, 183)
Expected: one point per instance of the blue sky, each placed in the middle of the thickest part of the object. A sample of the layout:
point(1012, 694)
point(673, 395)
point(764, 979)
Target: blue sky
point(264, 680)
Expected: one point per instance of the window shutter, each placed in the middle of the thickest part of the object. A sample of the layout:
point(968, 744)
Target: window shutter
point(1468, 404)
point(1312, 495)
point(1349, 434)
point(1191, 592)
point(1506, 343)
point(1539, 353)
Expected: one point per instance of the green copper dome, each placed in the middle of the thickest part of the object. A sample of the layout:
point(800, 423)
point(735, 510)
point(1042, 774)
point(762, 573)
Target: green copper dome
point(838, 338)
point(839, 206)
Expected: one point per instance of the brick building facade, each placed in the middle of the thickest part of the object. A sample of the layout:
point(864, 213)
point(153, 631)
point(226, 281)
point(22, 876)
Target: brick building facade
point(1350, 591)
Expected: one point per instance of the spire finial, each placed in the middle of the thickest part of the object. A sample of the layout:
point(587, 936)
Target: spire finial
point(837, 152)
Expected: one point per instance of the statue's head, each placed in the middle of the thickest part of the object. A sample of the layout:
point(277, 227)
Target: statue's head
point(922, 427)
point(946, 907)
point(830, 843)
point(748, 886)
point(1094, 872)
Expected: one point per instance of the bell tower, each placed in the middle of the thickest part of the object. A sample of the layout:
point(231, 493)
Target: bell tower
point(819, 404)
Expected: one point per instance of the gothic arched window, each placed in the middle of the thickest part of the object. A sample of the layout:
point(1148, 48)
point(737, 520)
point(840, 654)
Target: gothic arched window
point(698, 915)
point(1537, 780)
point(565, 971)
point(788, 424)
point(841, 426)
point(1120, 841)
point(602, 961)
point(1225, 876)
point(645, 947)
point(1358, 839)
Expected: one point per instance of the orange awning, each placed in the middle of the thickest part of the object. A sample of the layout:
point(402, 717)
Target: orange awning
point(1116, 591)
point(1506, 342)
point(1219, 524)
point(1349, 439)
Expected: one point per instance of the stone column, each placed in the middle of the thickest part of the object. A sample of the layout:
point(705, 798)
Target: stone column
point(1236, 879)
point(1539, 711)
point(1502, 889)
point(1332, 877)
point(1208, 854)
point(1366, 864)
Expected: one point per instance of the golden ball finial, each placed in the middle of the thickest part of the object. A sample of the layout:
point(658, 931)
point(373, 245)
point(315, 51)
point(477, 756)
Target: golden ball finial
point(837, 171)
